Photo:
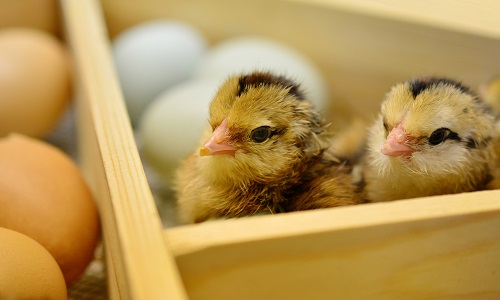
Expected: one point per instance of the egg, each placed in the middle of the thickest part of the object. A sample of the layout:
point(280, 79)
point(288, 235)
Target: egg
point(153, 56)
point(249, 53)
point(35, 81)
point(44, 196)
point(27, 270)
point(171, 125)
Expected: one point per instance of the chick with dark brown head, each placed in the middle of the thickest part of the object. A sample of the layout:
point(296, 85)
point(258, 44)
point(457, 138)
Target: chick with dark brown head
point(265, 151)
point(433, 136)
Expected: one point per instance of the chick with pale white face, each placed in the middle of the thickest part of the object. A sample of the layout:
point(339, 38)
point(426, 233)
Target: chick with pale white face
point(264, 147)
point(433, 136)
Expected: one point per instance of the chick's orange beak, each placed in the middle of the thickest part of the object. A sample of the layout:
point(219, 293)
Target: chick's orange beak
point(396, 143)
point(218, 143)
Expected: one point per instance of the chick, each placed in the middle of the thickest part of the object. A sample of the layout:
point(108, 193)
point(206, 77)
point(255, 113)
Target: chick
point(490, 92)
point(433, 136)
point(264, 152)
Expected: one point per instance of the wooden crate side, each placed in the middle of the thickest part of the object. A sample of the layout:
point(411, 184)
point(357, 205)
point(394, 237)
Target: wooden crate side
point(141, 265)
point(444, 247)
point(473, 17)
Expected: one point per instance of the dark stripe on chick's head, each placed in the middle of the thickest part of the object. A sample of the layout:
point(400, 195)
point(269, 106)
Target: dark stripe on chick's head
point(454, 136)
point(471, 143)
point(418, 85)
point(258, 79)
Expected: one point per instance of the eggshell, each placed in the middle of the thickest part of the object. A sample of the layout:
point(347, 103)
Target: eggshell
point(171, 126)
point(35, 81)
point(43, 195)
point(152, 56)
point(27, 270)
point(246, 54)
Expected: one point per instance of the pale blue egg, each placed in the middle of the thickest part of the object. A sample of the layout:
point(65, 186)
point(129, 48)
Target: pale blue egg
point(153, 56)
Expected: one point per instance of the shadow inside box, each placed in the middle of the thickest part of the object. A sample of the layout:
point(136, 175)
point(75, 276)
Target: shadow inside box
point(164, 197)
point(92, 285)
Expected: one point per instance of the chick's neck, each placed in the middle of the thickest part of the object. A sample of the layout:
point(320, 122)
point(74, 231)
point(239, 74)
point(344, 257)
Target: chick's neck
point(271, 194)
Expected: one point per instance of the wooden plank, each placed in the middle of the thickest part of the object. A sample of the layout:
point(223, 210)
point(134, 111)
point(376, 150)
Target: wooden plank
point(445, 247)
point(481, 18)
point(113, 291)
point(140, 263)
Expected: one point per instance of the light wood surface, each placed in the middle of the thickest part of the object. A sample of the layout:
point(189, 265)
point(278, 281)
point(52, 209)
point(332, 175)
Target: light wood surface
point(139, 262)
point(445, 247)
point(480, 18)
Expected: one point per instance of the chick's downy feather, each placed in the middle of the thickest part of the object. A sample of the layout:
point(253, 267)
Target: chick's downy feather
point(264, 152)
point(490, 92)
point(433, 136)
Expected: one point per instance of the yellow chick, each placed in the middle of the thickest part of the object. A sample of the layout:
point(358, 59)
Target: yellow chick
point(433, 136)
point(265, 151)
point(490, 92)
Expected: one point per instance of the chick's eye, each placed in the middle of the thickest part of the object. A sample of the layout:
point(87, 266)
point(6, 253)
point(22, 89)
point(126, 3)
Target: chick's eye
point(439, 136)
point(386, 127)
point(261, 134)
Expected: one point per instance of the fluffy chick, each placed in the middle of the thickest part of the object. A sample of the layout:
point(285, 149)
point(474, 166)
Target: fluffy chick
point(264, 152)
point(490, 92)
point(433, 136)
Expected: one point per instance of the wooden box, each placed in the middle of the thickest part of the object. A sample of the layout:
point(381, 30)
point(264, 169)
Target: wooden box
point(445, 247)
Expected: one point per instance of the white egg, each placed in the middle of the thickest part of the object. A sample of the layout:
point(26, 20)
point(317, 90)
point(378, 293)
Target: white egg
point(171, 125)
point(246, 54)
point(153, 56)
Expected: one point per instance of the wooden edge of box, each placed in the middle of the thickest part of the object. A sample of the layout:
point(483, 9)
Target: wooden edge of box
point(476, 18)
point(192, 238)
point(443, 247)
point(141, 264)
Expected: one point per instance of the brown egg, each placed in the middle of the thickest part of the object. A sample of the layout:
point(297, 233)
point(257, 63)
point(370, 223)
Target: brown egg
point(43, 195)
point(27, 270)
point(35, 83)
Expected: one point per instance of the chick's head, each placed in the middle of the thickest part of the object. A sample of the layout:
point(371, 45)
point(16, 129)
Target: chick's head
point(262, 128)
point(432, 126)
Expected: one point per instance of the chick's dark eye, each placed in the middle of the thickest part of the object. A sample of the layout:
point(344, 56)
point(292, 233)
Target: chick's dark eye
point(261, 134)
point(386, 127)
point(439, 136)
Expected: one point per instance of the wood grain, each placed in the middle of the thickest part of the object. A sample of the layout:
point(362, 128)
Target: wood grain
point(140, 264)
point(445, 247)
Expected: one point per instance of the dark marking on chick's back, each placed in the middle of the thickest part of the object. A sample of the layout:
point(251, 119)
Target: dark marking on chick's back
point(417, 86)
point(487, 179)
point(259, 79)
